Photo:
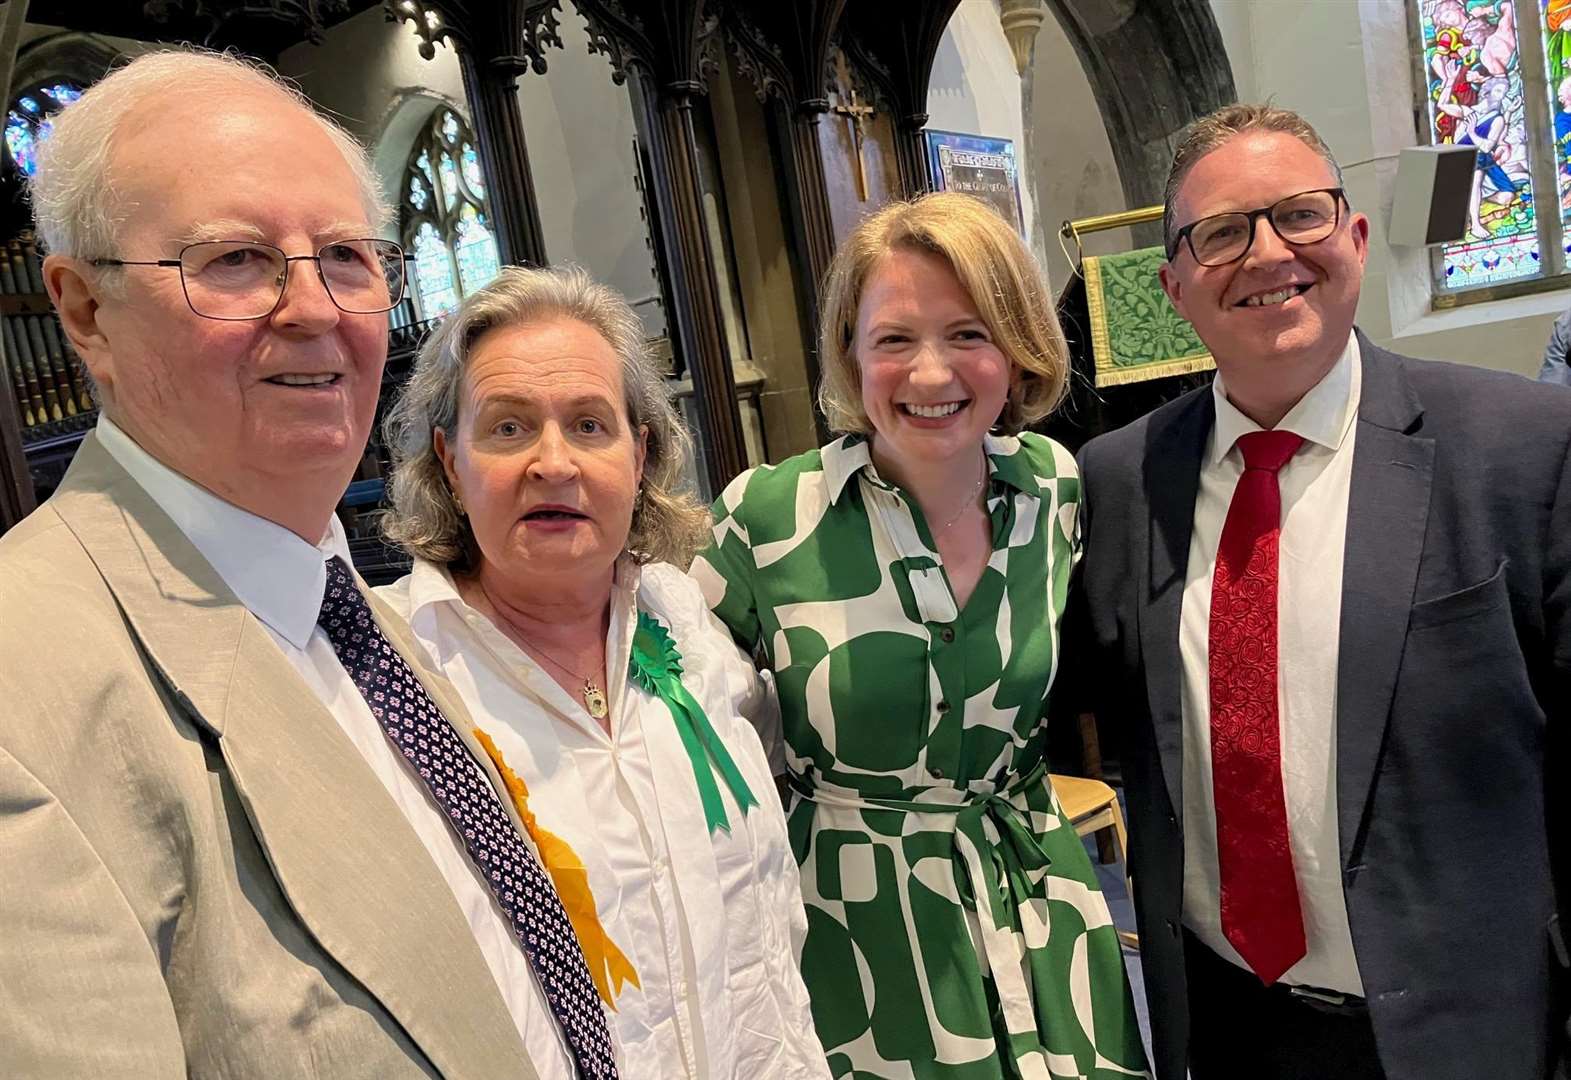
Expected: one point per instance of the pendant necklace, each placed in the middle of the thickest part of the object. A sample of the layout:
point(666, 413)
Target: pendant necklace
point(594, 697)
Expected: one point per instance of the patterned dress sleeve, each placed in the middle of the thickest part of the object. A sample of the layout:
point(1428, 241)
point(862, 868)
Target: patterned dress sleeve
point(724, 570)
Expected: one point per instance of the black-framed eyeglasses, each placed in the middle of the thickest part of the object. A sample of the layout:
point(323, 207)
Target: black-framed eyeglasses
point(238, 280)
point(1305, 218)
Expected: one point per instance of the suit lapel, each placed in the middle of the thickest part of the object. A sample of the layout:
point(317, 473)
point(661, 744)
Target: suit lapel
point(1171, 477)
point(1388, 509)
point(352, 869)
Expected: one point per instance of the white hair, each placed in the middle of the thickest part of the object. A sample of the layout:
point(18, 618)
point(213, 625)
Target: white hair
point(72, 192)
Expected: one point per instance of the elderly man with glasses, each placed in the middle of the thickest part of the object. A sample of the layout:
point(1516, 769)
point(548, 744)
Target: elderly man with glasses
point(1328, 602)
point(244, 832)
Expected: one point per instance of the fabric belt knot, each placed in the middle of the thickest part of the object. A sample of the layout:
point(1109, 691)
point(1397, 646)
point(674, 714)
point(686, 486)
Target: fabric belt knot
point(1261, 912)
point(1000, 863)
point(459, 787)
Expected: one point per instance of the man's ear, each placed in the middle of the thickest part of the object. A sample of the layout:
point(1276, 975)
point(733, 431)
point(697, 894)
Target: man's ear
point(1172, 287)
point(74, 291)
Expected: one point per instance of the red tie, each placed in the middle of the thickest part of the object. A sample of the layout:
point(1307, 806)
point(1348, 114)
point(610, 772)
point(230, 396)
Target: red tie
point(1260, 909)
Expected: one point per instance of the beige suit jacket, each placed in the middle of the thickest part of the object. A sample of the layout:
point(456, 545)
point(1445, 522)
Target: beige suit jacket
point(199, 874)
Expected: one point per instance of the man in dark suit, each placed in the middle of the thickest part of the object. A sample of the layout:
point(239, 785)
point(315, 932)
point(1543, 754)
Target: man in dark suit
point(1326, 600)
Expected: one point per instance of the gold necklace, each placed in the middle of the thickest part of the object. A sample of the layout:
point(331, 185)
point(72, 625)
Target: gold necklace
point(969, 500)
point(594, 697)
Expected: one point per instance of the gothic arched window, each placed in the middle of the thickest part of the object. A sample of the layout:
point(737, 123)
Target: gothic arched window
point(446, 220)
point(27, 121)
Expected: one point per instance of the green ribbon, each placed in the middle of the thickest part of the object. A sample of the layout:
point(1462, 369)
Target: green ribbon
point(656, 666)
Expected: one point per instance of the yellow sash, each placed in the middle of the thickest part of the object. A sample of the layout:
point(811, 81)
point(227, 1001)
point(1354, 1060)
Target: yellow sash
point(571, 878)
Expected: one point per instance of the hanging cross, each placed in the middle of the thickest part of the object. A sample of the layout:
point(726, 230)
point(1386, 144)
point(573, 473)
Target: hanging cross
point(856, 114)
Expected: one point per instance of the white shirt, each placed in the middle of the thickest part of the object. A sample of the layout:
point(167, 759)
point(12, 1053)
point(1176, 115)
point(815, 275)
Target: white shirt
point(280, 579)
point(712, 923)
point(1314, 485)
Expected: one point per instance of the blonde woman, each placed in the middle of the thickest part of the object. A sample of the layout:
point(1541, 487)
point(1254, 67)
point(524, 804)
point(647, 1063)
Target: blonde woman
point(905, 584)
point(537, 471)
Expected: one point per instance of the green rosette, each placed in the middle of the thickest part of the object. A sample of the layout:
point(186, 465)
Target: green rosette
point(656, 666)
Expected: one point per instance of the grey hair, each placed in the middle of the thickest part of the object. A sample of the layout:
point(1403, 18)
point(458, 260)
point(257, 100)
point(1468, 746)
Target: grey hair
point(72, 190)
point(669, 524)
point(1209, 133)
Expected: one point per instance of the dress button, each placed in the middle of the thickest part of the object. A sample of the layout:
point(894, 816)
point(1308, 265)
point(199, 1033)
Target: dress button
point(938, 774)
point(947, 634)
point(943, 707)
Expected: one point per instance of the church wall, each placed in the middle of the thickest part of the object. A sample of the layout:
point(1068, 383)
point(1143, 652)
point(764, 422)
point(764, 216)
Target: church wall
point(1347, 67)
point(975, 89)
point(578, 127)
point(1071, 160)
point(368, 73)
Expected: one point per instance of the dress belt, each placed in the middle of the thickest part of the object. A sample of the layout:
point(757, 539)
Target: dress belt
point(1005, 867)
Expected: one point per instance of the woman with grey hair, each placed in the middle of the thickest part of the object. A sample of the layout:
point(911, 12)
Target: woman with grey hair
point(537, 481)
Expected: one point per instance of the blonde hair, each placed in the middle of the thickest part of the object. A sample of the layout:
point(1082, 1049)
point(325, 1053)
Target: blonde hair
point(993, 265)
point(1212, 130)
point(669, 523)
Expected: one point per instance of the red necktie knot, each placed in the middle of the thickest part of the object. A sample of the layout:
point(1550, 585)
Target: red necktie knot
point(1268, 450)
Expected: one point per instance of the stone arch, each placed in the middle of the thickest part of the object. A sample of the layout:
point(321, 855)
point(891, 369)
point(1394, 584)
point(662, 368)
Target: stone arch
point(1153, 65)
point(395, 131)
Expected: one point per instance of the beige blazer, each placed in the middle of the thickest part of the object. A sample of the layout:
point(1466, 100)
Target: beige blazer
point(199, 875)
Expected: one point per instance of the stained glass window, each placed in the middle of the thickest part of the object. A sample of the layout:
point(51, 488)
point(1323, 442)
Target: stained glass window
point(449, 174)
point(1477, 98)
point(477, 256)
point(27, 122)
point(476, 179)
point(445, 216)
point(434, 284)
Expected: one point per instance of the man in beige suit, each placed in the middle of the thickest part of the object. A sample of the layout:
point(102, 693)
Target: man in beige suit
point(215, 863)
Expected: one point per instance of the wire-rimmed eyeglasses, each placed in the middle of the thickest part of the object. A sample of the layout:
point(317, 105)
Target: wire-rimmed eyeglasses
point(237, 280)
point(1305, 218)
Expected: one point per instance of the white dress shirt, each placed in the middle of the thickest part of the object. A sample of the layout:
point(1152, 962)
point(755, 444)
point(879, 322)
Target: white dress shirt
point(280, 579)
point(1314, 485)
point(712, 923)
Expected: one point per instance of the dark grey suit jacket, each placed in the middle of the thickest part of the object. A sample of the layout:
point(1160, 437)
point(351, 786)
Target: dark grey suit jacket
point(1452, 704)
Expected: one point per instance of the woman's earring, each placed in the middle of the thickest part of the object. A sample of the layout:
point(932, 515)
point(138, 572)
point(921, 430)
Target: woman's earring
point(458, 504)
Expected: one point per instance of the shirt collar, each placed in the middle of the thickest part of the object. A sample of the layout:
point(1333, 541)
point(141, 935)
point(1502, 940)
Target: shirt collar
point(1322, 416)
point(275, 574)
point(432, 583)
point(850, 454)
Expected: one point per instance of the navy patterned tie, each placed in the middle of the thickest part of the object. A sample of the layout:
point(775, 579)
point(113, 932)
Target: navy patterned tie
point(439, 757)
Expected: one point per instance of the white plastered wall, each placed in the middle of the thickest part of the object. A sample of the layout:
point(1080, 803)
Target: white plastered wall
point(975, 89)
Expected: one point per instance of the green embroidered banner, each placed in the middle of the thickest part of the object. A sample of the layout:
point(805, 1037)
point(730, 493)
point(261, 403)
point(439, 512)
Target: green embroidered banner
point(1135, 333)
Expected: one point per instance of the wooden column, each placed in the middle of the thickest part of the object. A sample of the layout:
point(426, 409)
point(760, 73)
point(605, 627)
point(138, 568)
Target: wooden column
point(497, 41)
point(491, 85)
point(662, 44)
point(899, 43)
point(811, 223)
point(667, 121)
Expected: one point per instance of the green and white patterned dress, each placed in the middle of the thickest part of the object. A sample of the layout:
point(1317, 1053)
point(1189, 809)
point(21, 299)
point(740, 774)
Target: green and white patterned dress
point(915, 736)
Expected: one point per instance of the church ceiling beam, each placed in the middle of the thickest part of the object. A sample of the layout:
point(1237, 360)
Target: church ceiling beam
point(497, 42)
point(667, 49)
